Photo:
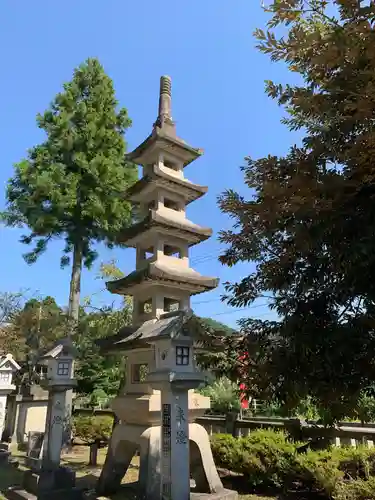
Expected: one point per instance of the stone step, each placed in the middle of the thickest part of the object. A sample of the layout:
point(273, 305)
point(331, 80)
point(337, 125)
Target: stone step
point(20, 494)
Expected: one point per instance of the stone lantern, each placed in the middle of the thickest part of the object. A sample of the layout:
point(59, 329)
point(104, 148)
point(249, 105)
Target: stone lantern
point(8, 367)
point(59, 380)
point(157, 405)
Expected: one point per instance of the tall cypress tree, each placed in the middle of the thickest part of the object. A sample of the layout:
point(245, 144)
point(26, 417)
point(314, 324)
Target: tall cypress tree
point(71, 186)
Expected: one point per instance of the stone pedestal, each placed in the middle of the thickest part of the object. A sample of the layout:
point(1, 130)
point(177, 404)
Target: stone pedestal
point(56, 484)
point(48, 481)
point(55, 427)
point(126, 439)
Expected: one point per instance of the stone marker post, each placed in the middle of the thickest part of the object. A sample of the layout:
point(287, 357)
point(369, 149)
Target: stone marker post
point(53, 478)
point(59, 382)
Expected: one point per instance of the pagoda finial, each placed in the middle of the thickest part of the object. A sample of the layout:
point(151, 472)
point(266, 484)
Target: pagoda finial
point(165, 101)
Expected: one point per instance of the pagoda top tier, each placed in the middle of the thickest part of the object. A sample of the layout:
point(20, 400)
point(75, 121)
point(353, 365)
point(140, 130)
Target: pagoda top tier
point(163, 136)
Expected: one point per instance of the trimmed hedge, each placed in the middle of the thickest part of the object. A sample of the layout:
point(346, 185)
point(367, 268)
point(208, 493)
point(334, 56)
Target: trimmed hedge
point(268, 459)
point(92, 428)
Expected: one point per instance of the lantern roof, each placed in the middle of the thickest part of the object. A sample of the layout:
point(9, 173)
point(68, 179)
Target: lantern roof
point(63, 347)
point(182, 324)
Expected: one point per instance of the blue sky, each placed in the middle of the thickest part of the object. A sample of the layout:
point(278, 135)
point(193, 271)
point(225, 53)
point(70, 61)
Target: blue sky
point(219, 104)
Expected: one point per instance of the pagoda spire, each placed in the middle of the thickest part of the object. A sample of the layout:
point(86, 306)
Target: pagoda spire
point(164, 119)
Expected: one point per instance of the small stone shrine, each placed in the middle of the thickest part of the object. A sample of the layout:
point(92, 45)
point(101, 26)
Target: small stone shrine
point(49, 479)
point(158, 406)
point(8, 367)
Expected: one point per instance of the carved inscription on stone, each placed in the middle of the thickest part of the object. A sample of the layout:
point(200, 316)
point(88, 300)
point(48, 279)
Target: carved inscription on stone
point(166, 451)
point(181, 436)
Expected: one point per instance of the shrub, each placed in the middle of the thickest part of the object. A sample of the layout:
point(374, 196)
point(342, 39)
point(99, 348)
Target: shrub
point(358, 489)
point(266, 458)
point(366, 408)
point(224, 396)
point(324, 470)
point(92, 428)
point(226, 450)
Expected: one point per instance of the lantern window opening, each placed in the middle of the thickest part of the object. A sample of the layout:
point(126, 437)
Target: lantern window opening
point(148, 253)
point(4, 376)
point(139, 373)
point(173, 251)
point(172, 205)
point(182, 355)
point(171, 165)
point(145, 307)
point(171, 304)
point(63, 368)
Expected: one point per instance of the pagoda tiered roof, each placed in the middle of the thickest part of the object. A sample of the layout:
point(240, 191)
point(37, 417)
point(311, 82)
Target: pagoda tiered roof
point(163, 138)
point(171, 222)
point(159, 272)
point(160, 178)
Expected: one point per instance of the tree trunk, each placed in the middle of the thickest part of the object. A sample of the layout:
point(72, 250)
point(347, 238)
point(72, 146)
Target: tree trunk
point(116, 420)
point(73, 316)
point(75, 288)
point(93, 457)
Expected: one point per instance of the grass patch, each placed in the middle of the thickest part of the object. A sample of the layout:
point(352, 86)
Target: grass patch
point(86, 475)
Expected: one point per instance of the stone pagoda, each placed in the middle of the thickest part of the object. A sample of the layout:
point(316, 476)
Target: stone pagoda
point(157, 406)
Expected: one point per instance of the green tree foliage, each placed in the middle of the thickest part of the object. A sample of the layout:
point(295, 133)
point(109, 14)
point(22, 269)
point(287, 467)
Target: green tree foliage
point(91, 428)
point(10, 306)
point(99, 374)
point(308, 223)
point(32, 330)
point(31, 325)
point(71, 186)
point(224, 396)
point(96, 371)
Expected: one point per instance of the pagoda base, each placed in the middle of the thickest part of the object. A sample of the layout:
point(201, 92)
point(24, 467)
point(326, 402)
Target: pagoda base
point(126, 439)
point(145, 409)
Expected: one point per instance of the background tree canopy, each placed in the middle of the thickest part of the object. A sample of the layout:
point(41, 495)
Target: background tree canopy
point(309, 221)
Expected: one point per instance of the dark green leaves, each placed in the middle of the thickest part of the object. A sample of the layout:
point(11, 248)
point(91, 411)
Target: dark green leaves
point(309, 222)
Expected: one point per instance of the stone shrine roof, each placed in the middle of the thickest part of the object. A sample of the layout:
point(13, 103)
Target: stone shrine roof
point(180, 226)
point(160, 177)
point(10, 361)
point(170, 325)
